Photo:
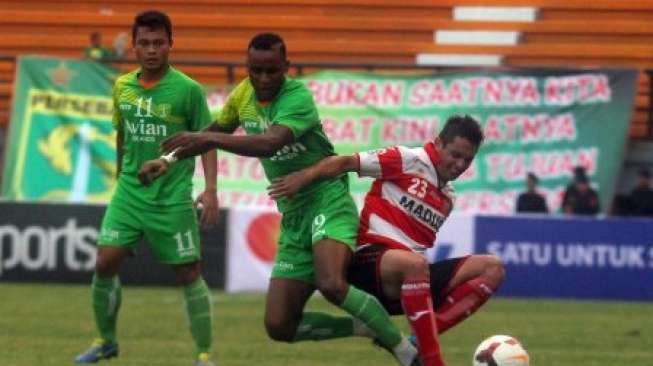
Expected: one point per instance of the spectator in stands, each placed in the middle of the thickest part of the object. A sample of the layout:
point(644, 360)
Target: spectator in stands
point(531, 201)
point(621, 205)
point(579, 197)
point(641, 197)
point(120, 44)
point(95, 51)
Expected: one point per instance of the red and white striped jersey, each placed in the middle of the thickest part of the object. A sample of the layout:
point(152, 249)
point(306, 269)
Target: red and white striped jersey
point(406, 205)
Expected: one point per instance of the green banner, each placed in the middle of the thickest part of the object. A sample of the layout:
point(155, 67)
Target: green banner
point(61, 144)
point(542, 121)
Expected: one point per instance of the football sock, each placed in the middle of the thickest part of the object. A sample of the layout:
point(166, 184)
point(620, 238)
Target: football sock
point(405, 352)
point(368, 310)
point(462, 302)
point(361, 330)
point(418, 306)
point(319, 326)
point(106, 297)
point(200, 317)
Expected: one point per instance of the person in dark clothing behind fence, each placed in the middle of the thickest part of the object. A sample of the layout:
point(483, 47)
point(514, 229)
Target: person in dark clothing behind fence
point(641, 197)
point(580, 198)
point(531, 201)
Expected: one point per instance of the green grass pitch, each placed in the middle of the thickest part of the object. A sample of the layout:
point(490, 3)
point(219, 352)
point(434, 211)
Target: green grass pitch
point(42, 325)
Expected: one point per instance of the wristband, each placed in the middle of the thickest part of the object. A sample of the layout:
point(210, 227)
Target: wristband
point(170, 158)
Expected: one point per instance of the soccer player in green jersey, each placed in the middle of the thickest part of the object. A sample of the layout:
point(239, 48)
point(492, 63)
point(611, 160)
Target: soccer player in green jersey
point(151, 104)
point(319, 225)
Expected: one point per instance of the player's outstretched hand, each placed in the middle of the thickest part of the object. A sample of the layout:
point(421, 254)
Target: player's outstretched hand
point(208, 200)
point(287, 186)
point(151, 170)
point(186, 144)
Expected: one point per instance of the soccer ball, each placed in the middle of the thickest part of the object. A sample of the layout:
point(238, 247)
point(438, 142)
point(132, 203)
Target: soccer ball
point(500, 350)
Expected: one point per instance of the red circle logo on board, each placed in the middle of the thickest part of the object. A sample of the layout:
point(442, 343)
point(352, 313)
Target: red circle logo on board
point(263, 235)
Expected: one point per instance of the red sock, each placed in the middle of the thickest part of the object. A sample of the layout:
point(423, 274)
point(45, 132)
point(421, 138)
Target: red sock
point(418, 307)
point(462, 302)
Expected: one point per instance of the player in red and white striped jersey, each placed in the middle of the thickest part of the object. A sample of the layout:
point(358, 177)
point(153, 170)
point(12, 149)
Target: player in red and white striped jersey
point(407, 204)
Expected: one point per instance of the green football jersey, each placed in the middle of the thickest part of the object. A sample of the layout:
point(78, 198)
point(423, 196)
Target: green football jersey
point(294, 108)
point(147, 117)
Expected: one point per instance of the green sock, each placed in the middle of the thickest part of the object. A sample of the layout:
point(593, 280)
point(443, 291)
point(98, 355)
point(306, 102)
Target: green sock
point(200, 317)
point(320, 326)
point(107, 296)
point(369, 310)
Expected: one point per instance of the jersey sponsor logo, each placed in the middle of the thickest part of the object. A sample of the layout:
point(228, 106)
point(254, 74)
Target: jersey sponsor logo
point(109, 234)
point(147, 132)
point(251, 125)
point(289, 152)
point(37, 247)
point(284, 266)
point(422, 212)
point(256, 126)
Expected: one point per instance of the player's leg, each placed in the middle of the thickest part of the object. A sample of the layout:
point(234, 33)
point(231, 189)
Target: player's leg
point(197, 299)
point(332, 259)
point(405, 276)
point(117, 239)
point(174, 239)
point(284, 305)
point(462, 285)
point(292, 284)
point(106, 290)
point(334, 229)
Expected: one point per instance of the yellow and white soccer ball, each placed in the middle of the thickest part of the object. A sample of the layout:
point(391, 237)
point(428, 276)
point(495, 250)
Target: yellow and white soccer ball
point(500, 350)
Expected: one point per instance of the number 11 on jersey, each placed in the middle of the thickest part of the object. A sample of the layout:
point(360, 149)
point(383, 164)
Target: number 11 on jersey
point(148, 110)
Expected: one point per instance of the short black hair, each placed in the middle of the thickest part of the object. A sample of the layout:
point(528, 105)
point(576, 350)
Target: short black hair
point(534, 177)
point(580, 171)
point(462, 126)
point(152, 19)
point(265, 41)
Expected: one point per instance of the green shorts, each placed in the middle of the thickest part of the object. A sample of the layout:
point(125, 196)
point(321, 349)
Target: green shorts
point(332, 214)
point(173, 236)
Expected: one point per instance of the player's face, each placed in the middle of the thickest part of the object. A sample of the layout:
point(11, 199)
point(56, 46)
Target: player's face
point(531, 184)
point(151, 47)
point(267, 70)
point(455, 157)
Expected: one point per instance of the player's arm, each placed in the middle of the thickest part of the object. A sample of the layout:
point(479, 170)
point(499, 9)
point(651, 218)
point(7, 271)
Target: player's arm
point(209, 197)
point(218, 127)
point(119, 142)
point(187, 144)
point(116, 121)
point(201, 119)
point(296, 114)
point(328, 168)
point(210, 163)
